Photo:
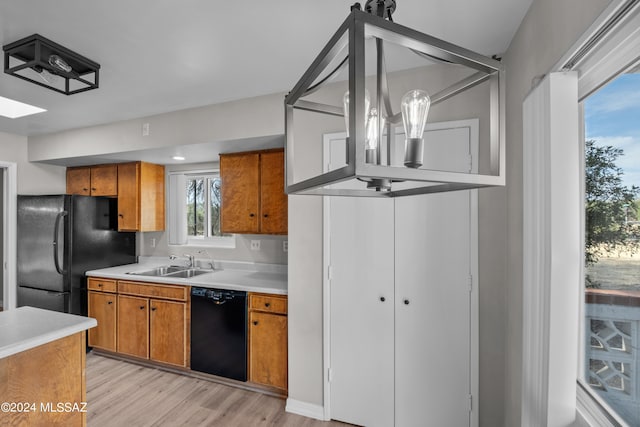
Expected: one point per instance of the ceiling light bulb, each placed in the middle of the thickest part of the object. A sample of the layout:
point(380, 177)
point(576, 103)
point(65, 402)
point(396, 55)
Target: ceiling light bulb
point(372, 135)
point(60, 64)
point(415, 108)
point(345, 102)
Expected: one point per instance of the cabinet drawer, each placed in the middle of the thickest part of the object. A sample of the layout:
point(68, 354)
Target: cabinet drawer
point(173, 292)
point(268, 303)
point(103, 285)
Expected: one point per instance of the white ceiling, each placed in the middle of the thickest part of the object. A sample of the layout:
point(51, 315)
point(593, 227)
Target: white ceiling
point(158, 56)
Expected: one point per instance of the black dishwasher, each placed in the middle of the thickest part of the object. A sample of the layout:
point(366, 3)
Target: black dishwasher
point(219, 332)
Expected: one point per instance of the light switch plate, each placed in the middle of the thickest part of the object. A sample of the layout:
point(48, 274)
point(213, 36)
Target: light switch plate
point(255, 245)
point(285, 246)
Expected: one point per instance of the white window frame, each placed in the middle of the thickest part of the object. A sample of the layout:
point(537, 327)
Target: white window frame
point(176, 204)
point(552, 366)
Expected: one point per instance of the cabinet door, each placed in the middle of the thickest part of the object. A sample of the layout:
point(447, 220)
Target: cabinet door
point(168, 339)
point(240, 176)
point(102, 307)
point(268, 349)
point(104, 180)
point(151, 197)
point(362, 312)
point(79, 181)
point(128, 196)
point(273, 199)
point(133, 326)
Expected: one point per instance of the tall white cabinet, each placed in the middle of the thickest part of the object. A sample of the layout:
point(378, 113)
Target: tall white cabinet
point(402, 310)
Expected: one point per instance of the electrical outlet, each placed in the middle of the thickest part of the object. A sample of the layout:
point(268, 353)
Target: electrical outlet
point(285, 246)
point(153, 242)
point(255, 245)
point(145, 129)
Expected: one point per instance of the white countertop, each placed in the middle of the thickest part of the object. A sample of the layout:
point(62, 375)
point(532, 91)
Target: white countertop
point(271, 282)
point(24, 328)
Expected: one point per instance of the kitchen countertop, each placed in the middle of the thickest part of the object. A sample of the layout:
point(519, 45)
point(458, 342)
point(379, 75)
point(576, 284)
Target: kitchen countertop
point(238, 276)
point(24, 328)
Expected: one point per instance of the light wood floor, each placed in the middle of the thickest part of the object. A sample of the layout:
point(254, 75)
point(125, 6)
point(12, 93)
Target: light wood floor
point(125, 394)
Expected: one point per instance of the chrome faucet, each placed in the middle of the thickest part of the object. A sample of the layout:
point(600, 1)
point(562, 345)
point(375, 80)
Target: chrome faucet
point(191, 259)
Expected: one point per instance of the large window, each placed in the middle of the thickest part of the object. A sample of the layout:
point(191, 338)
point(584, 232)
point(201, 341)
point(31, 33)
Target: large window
point(203, 205)
point(194, 209)
point(612, 245)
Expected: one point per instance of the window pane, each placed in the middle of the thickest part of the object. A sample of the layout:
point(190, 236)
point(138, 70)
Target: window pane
point(196, 209)
point(215, 199)
point(612, 256)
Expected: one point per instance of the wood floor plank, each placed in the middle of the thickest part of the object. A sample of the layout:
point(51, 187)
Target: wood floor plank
point(120, 393)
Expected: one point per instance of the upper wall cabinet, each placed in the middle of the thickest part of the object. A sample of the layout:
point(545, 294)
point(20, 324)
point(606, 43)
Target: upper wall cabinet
point(98, 180)
point(140, 197)
point(253, 197)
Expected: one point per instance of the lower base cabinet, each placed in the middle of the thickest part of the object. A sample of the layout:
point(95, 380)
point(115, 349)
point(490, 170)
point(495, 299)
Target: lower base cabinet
point(268, 340)
point(144, 320)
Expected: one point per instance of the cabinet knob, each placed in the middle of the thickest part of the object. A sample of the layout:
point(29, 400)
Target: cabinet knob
point(99, 285)
point(406, 302)
point(153, 308)
point(109, 302)
point(252, 215)
point(267, 304)
point(121, 216)
point(383, 299)
point(85, 189)
point(142, 307)
point(266, 215)
point(93, 189)
point(255, 322)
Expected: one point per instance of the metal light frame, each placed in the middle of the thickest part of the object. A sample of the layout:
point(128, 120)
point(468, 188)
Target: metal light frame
point(357, 26)
point(33, 52)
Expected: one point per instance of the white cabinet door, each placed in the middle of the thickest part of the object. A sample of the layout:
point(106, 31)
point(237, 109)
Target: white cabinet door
point(432, 331)
point(361, 322)
point(361, 300)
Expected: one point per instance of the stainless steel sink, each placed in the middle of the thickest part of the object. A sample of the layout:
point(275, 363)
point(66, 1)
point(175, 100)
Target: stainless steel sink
point(172, 271)
point(187, 273)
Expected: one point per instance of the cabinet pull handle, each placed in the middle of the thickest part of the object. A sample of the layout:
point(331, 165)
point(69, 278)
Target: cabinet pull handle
point(99, 285)
point(93, 189)
point(252, 215)
point(383, 299)
point(109, 302)
point(142, 307)
point(85, 189)
point(153, 308)
point(406, 302)
point(255, 322)
point(121, 216)
point(267, 304)
point(266, 215)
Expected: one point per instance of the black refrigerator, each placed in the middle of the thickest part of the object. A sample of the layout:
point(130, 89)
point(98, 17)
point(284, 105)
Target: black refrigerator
point(61, 237)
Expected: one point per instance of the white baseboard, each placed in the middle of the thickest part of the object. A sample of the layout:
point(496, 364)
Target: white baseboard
point(305, 409)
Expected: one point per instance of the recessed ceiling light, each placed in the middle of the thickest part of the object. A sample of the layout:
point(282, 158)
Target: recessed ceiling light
point(14, 109)
point(178, 158)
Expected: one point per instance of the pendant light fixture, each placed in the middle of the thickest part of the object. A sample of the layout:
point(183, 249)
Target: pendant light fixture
point(384, 146)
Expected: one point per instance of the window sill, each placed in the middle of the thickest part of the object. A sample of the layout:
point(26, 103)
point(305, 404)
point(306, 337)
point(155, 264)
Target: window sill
point(593, 410)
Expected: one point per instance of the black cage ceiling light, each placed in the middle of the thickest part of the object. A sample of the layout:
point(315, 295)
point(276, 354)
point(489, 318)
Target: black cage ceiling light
point(384, 149)
point(48, 64)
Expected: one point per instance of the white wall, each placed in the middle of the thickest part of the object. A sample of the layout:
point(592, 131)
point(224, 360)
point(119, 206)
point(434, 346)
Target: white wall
point(546, 33)
point(33, 178)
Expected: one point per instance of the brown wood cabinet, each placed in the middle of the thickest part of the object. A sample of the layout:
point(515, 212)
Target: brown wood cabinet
point(253, 197)
point(43, 376)
point(140, 197)
point(98, 180)
point(133, 326)
point(268, 340)
point(102, 306)
point(153, 321)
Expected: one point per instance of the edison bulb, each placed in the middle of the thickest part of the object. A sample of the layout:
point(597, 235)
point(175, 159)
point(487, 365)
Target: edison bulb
point(415, 108)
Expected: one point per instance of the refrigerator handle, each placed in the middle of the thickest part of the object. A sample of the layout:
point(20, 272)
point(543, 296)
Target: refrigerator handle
point(56, 261)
